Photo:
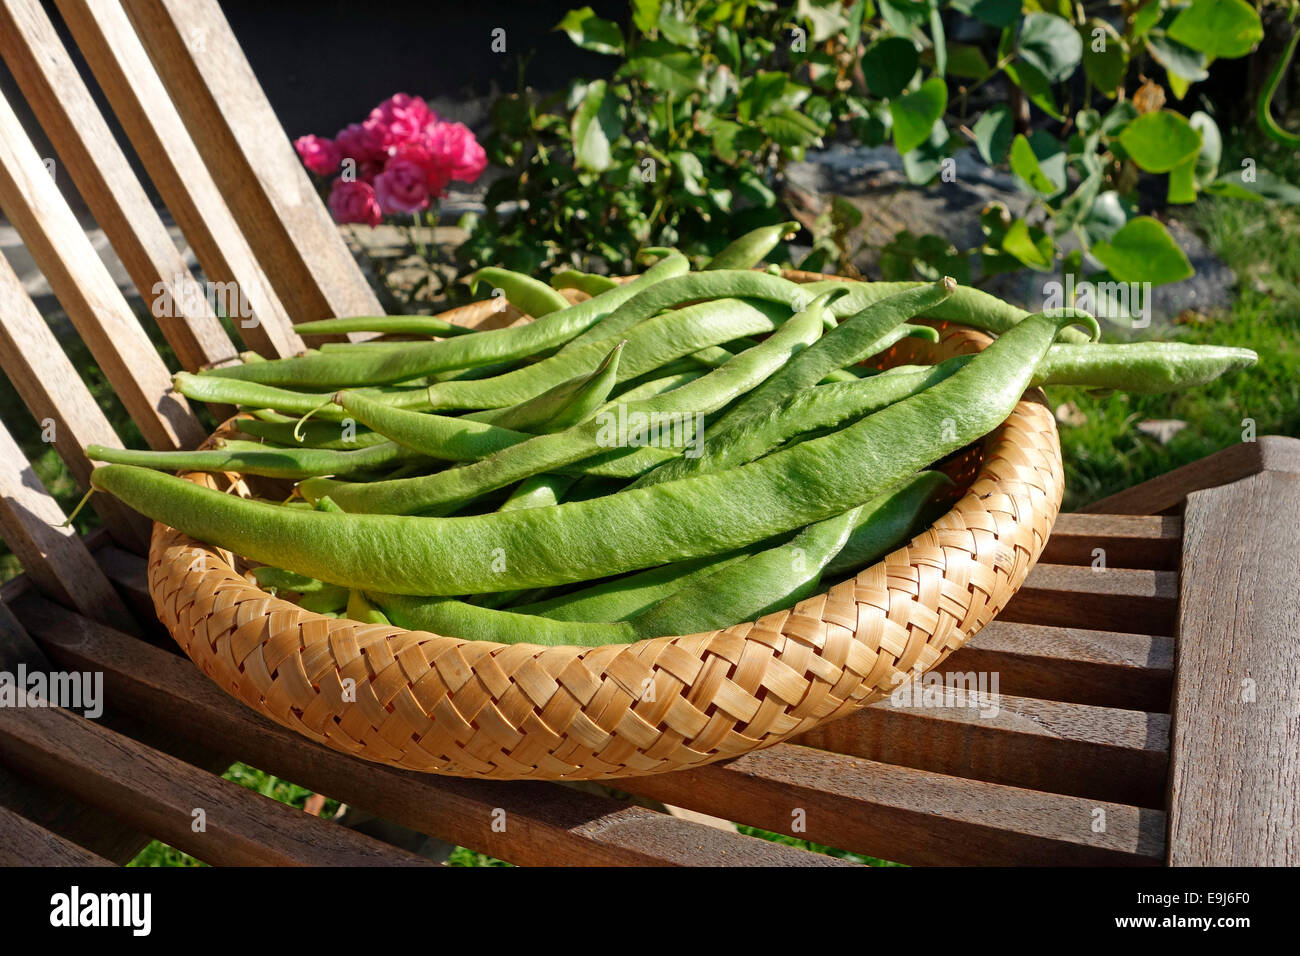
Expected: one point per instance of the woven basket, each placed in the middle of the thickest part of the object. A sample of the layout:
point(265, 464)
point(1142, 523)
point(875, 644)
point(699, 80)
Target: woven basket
point(480, 709)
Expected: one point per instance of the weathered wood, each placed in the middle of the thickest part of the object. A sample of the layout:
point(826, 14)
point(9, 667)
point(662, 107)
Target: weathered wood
point(909, 816)
point(24, 843)
point(162, 796)
point(1124, 541)
point(85, 146)
point(252, 161)
point(88, 293)
point(1168, 491)
point(1234, 780)
point(1116, 599)
point(1102, 753)
point(31, 524)
point(544, 824)
point(128, 78)
point(1102, 668)
point(50, 387)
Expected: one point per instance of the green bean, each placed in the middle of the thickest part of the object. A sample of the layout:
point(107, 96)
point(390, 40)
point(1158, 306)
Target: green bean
point(854, 339)
point(326, 503)
point(278, 579)
point(626, 531)
point(294, 463)
point(648, 388)
point(335, 435)
point(753, 247)
point(626, 597)
point(206, 388)
point(361, 610)
point(469, 622)
point(427, 325)
point(966, 306)
point(525, 293)
point(823, 406)
point(886, 523)
point(585, 281)
point(328, 600)
point(538, 491)
point(562, 405)
point(1263, 103)
point(1145, 367)
point(694, 287)
point(452, 488)
point(649, 346)
point(336, 370)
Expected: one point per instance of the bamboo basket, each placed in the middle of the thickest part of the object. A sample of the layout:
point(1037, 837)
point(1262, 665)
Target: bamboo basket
point(443, 705)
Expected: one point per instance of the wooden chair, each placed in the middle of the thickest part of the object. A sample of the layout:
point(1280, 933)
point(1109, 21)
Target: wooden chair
point(1148, 699)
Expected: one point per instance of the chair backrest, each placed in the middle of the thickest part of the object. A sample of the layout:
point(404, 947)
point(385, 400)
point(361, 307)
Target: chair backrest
point(201, 126)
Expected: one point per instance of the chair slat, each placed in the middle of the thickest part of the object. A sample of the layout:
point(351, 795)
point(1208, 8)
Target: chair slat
point(1235, 771)
point(69, 117)
point(909, 816)
point(54, 557)
point(49, 385)
point(88, 293)
point(546, 824)
point(159, 794)
point(24, 843)
point(127, 76)
point(1098, 752)
point(1116, 599)
point(1101, 668)
point(252, 161)
point(1125, 541)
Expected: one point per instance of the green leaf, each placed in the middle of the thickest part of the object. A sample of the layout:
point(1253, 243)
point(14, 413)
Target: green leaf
point(1143, 251)
point(676, 30)
point(1051, 45)
point(993, 132)
point(889, 65)
point(1207, 160)
point(967, 61)
point(925, 162)
point(938, 40)
point(1080, 201)
point(915, 113)
point(826, 17)
point(645, 14)
point(1030, 245)
point(903, 16)
point(1218, 28)
point(723, 135)
point(663, 67)
point(1182, 182)
point(592, 32)
point(1026, 166)
point(1105, 56)
point(792, 129)
point(1106, 217)
point(996, 13)
point(1118, 117)
point(1263, 186)
point(595, 125)
point(1159, 141)
point(1178, 60)
point(1035, 85)
point(1147, 16)
point(760, 93)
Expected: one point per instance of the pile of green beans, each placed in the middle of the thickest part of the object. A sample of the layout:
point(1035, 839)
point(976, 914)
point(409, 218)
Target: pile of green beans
point(671, 454)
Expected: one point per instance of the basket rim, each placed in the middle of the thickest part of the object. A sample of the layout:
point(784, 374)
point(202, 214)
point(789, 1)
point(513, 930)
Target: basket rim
point(195, 586)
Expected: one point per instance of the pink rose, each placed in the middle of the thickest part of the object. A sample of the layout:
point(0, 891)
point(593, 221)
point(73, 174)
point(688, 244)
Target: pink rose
point(318, 154)
point(354, 202)
point(436, 176)
point(456, 150)
point(362, 142)
point(403, 186)
point(402, 118)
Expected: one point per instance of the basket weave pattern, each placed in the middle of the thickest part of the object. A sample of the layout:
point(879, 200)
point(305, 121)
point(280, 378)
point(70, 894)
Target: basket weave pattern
point(481, 709)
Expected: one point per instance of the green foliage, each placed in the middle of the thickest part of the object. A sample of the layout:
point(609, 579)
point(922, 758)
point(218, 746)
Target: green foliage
point(686, 141)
